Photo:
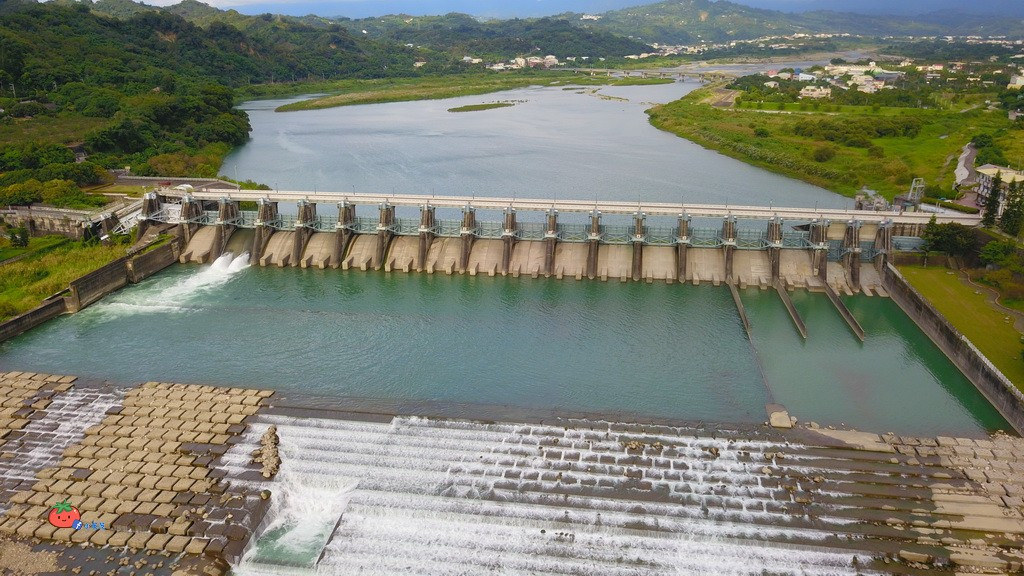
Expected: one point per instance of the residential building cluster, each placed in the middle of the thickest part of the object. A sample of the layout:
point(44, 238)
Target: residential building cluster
point(520, 62)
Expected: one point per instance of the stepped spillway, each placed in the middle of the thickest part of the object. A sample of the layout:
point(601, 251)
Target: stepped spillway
point(439, 496)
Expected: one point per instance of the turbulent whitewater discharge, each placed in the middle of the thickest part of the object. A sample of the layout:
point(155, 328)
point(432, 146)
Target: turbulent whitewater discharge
point(420, 496)
point(174, 295)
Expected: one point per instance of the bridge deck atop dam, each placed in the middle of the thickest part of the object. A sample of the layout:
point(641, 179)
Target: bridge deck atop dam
point(819, 249)
point(441, 495)
point(565, 205)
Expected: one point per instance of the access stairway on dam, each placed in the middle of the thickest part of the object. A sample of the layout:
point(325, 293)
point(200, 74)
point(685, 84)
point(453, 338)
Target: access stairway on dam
point(817, 253)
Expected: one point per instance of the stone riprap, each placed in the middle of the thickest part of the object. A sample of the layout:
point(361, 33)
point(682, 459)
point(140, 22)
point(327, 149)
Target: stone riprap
point(146, 472)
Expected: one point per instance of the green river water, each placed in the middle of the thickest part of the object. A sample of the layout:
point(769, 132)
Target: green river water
point(621, 349)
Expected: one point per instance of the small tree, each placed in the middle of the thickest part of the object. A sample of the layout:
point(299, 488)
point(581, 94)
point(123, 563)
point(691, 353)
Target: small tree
point(998, 252)
point(988, 219)
point(19, 237)
point(1013, 214)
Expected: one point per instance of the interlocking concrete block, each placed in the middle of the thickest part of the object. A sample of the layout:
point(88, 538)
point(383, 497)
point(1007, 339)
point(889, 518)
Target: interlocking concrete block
point(164, 497)
point(100, 537)
point(196, 546)
point(158, 542)
point(80, 536)
point(28, 528)
point(45, 531)
point(977, 560)
point(179, 527)
point(118, 538)
point(164, 510)
point(130, 493)
point(138, 540)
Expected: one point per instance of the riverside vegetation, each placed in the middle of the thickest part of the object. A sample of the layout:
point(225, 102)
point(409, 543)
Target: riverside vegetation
point(49, 269)
point(838, 147)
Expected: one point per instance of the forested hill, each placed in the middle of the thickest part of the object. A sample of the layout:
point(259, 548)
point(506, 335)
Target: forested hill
point(152, 91)
point(62, 43)
point(460, 34)
point(454, 34)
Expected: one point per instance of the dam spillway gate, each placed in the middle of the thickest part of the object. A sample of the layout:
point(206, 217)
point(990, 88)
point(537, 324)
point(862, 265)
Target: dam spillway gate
point(742, 246)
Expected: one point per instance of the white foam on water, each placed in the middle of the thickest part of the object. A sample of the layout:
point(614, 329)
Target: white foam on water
point(304, 512)
point(173, 295)
point(67, 417)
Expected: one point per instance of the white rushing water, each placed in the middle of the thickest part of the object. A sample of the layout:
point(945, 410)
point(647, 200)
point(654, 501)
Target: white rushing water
point(161, 294)
point(44, 440)
point(435, 497)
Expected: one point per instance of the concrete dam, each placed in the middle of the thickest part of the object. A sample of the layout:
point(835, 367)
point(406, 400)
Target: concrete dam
point(742, 246)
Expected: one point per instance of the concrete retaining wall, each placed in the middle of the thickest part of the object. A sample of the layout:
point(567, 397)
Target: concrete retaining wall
point(97, 284)
point(145, 265)
point(985, 376)
point(39, 225)
point(32, 318)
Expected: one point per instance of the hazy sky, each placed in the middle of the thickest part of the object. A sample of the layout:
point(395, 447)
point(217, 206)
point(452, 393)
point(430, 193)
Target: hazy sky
point(525, 8)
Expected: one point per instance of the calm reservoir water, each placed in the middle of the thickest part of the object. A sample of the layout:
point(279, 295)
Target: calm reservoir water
point(554, 143)
point(653, 350)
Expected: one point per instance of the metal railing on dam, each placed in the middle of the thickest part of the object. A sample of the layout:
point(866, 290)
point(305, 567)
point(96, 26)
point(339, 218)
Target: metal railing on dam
point(743, 245)
point(582, 206)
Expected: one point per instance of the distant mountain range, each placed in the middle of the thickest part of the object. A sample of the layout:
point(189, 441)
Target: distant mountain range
point(1014, 8)
point(454, 35)
point(687, 21)
point(612, 33)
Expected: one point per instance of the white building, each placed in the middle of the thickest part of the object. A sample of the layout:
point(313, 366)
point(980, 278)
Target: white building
point(986, 178)
point(815, 92)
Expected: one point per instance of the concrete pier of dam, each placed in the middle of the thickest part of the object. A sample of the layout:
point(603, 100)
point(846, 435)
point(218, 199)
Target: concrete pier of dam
point(170, 472)
point(819, 250)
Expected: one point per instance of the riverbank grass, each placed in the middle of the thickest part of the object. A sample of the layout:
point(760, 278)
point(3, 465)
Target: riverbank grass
point(768, 137)
point(969, 311)
point(480, 107)
point(26, 283)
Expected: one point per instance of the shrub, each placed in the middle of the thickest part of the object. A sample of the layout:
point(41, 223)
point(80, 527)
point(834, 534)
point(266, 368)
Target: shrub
point(19, 237)
point(824, 153)
point(762, 132)
point(876, 152)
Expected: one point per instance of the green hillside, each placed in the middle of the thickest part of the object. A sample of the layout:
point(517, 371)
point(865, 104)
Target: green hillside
point(460, 34)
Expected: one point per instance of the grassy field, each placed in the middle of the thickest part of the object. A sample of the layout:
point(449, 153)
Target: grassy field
point(765, 137)
point(25, 283)
point(34, 245)
point(353, 92)
point(49, 129)
point(971, 314)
